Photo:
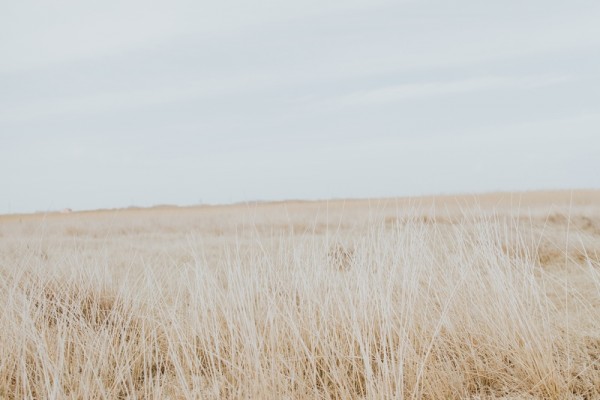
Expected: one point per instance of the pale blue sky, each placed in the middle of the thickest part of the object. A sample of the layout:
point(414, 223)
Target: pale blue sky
point(115, 103)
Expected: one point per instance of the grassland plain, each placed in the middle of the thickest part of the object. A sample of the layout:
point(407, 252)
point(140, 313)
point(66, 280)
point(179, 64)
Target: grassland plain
point(488, 296)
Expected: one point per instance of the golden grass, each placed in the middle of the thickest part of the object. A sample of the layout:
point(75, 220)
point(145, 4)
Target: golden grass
point(492, 296)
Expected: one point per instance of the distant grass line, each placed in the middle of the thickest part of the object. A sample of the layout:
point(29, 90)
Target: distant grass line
point(405, 308)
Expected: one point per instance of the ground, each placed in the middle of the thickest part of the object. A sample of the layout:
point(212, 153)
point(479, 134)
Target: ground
point(472, 296)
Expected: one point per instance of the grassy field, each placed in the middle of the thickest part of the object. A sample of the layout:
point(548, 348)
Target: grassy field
point(490, 296)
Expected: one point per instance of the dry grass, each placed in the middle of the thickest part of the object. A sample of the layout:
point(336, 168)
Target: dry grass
point(489, 297)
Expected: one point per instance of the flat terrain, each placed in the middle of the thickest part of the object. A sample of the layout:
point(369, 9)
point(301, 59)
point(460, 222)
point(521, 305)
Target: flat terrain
point(473, 296)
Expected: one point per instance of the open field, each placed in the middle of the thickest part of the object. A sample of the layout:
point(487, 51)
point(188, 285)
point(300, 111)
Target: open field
point(490, 296)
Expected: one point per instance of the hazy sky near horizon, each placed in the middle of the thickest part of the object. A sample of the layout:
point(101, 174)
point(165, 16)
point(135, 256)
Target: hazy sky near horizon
point(115, 103)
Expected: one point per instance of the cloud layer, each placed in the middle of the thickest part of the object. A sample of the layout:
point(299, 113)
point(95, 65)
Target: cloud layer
point(127, 102)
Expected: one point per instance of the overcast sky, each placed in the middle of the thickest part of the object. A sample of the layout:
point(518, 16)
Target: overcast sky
point(115, 103)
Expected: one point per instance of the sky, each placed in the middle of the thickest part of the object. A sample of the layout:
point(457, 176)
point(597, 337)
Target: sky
point(119, 103)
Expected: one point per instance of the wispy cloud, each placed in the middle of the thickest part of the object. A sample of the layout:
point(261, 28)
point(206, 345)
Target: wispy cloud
point(407, 91)
point(99, 102)
point(34, 34)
